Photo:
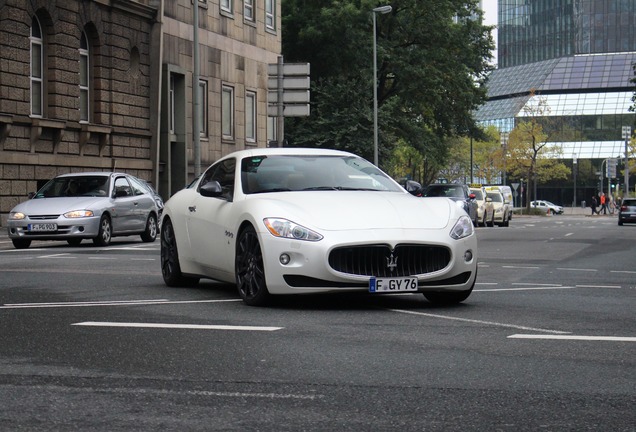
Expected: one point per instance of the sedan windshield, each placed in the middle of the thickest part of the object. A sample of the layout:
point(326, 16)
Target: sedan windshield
point(74, 186)
point(312, 173)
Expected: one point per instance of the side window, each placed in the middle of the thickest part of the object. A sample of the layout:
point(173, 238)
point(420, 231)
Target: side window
point(122, 187)
point(37, 69)
point(84, 79)
point(224, 173)
point(137, 187)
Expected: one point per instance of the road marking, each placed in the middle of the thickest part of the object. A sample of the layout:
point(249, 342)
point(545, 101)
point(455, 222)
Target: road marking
point(519, 267)
point(491, 323)
point(599, 286)
point(530, 288)
point(486, 283)
point(176, 326)
point(623, 271)
point(568, 234)
point(60, 255)
point(576, 269)
point(109, 303)
point(102, 258)
point(537, 284)
point(573, 337)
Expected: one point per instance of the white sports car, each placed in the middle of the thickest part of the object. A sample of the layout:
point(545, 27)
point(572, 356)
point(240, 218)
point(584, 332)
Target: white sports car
point(288, 221)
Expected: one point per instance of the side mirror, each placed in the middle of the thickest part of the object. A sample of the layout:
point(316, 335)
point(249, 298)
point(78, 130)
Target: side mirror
point(471, 196)
point(211, 189)
point(413, 187)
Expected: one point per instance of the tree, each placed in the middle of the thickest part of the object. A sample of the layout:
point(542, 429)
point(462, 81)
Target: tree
point(433, 61)
point(529, 152)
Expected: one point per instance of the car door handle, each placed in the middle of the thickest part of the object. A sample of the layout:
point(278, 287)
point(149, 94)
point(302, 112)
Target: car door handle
point(192, 209)
point(136, 203)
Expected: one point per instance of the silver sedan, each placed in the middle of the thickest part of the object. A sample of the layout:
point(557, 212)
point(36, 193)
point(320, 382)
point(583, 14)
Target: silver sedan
point(92, 205)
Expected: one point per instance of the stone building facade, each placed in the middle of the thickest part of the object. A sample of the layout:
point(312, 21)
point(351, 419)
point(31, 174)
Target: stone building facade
point(106, 85)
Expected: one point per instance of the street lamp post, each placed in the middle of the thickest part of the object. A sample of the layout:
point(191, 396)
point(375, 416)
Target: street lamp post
point(382, 10)
point(504, 148)
point(574, 169)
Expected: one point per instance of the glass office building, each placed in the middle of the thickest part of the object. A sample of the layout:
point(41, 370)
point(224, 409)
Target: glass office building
point(578, 57)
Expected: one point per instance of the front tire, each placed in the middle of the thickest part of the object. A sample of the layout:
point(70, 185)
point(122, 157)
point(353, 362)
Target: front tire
point(170, 268)
point(150, 234)
point(449, 298)
point(21, 243)
point(250, 270)
point(105, 232)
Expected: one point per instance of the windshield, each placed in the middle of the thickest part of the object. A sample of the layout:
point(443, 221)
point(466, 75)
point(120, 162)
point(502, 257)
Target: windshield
point(478, 195)
point(312, 173)
point(444, 191)
point(74, 186)
point(495, 197)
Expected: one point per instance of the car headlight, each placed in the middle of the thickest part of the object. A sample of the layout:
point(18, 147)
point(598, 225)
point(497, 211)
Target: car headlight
point(463, 228)
point(287, 229)
point(16, 216)
point(78, 214)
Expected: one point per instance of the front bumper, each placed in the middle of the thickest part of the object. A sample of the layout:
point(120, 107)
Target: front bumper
point(65, 228)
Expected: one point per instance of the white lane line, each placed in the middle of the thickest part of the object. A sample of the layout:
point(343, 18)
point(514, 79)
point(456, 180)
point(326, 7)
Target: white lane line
point(491, 323)
point(486, 283)
point(568, 234)
point(530, 288)
point(60, 255)
point(519, 267)
point(573, 337)
point(110, 303)
point(576, 269)
point(623, 271)
point(537, 284)
point(599, 286)
point(143, 259)
point(102, 258)
point(22, 250)
point(176, 326)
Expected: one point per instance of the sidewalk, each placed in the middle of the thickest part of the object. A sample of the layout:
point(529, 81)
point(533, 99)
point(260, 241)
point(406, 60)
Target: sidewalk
point(574, 211)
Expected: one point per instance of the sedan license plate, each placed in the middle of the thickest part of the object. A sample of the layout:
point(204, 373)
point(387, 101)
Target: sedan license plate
point(389, 285)
point(42, 227)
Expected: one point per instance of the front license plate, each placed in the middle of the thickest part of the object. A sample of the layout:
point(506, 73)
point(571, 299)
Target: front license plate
point(403, 284)
point(42, 227)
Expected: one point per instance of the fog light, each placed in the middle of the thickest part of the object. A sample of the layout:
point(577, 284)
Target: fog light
point(284, 259)
point(468, 256)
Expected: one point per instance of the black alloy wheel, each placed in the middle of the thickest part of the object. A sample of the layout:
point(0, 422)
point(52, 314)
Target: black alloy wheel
point(170, 268)
point(250, 271)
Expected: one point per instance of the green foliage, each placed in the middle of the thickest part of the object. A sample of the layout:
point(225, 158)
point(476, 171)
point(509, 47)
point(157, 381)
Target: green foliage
point(432, 66)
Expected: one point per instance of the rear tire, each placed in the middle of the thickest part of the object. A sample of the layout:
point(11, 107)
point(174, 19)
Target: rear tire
point(150, 234)
point(170, 268)
point(21, 243)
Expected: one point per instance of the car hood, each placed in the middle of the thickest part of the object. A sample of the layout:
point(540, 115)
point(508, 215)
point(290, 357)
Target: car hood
point(360, 210)
point(41, 206)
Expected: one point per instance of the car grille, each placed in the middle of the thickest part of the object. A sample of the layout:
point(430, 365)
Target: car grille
point(43, 217)
point(382, 261)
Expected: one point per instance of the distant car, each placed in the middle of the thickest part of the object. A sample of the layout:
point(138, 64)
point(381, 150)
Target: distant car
point(459, 193)
point(485, 209)
point(503, 212)
point(299, 221)
point(547, 206)
point(91, 205)
point(627, 211)
point(158, 198)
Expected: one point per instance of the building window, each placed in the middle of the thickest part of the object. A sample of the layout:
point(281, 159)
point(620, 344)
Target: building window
point(227, 6)
point(84, 79)
point(270, 14)
point(227, 109)
point(37, 69)
point(171, 112)
point(248, 10)
point(250, 116)
point(271, 132)
point(203, 108)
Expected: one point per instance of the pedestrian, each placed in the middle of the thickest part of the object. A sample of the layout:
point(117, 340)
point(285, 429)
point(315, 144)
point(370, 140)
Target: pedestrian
point(603, 204)
point(593, 205)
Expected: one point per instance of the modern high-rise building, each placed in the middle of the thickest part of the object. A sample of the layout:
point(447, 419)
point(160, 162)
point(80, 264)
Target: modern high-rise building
point(578, 56)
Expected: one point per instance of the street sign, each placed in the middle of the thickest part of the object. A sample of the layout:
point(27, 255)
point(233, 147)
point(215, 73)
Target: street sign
point(514, 185)
point(289, 83)
point(298, 110)
point(289, 96)
point(289, 69)
point(627, 132)
point(611, 168)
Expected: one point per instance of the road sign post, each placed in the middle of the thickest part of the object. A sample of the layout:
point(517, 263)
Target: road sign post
point(627, 133)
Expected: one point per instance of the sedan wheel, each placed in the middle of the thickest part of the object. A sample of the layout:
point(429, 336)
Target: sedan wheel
point(448, 298)
point(21, 243)
point(105, 232)
point(250, 271)
point(170, 268)
point(150, 234)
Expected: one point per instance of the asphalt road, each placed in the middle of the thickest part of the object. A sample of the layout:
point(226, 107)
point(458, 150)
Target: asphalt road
point(91, 339)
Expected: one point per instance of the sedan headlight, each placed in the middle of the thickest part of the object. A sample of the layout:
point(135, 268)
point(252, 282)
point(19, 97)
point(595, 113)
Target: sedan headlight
point(78, 214)
point(288, 229)
point(16, 216)
point(463, 228)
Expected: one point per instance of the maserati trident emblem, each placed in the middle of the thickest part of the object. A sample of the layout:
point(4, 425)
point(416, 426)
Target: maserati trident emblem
point(391, 262)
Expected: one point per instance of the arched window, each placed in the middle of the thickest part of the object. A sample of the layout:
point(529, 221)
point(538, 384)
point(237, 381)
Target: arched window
point(84, 79)
point(37, 68)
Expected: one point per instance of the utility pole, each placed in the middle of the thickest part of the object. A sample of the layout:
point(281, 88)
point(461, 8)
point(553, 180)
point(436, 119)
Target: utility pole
point(627, 133)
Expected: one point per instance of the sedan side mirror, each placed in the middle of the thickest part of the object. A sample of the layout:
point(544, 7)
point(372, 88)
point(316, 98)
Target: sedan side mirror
point(413, 187)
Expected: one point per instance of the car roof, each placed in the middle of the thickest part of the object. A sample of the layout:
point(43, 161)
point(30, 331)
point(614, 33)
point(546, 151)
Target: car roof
point(92, 173)
point(286, 151)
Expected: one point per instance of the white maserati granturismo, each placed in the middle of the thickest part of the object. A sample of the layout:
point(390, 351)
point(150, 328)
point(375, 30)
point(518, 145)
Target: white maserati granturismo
point(291, 221)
